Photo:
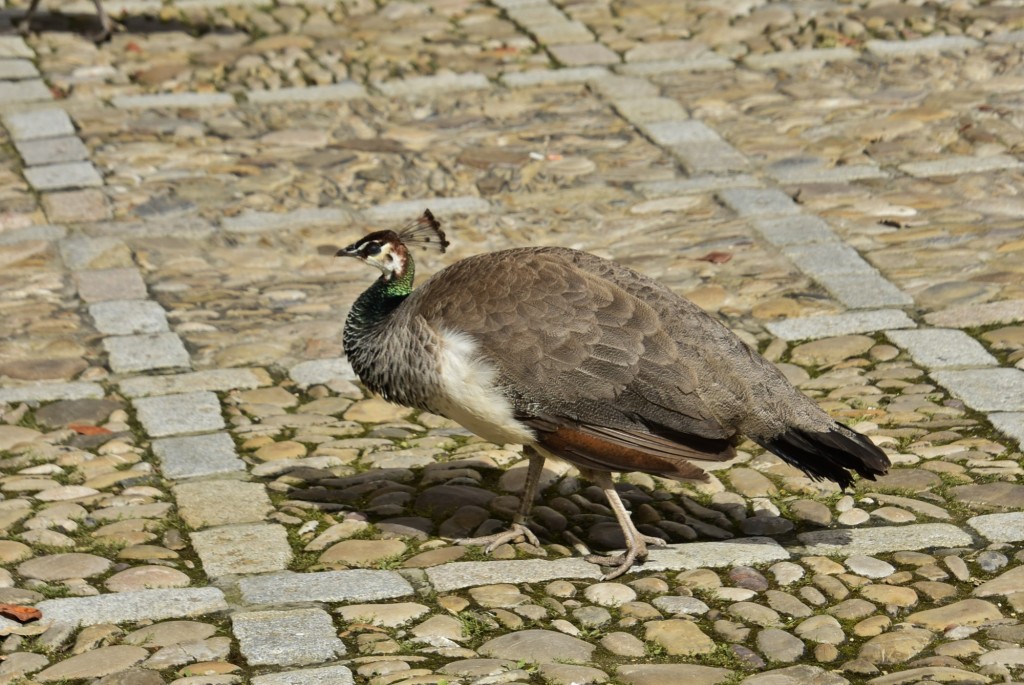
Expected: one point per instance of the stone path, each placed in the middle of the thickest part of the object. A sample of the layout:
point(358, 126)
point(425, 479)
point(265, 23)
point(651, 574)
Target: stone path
point(196, 491)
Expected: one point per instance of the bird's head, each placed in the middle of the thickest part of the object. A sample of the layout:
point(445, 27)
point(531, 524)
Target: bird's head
point(387, 251)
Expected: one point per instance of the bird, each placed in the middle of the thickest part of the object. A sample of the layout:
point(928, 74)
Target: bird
point(579, 358)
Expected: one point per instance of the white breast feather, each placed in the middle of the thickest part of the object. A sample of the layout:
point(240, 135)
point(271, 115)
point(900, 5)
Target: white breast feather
point(469, 396)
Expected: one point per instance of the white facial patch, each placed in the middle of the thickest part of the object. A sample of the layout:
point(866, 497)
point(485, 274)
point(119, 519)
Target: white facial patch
point(469, 395)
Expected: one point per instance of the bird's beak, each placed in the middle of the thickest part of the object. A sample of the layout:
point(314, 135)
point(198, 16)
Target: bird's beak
point(349, 251)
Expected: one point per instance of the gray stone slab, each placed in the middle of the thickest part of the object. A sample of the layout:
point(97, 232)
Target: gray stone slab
point(148, 352)
point(758, 202)
point(580, 53)
point(81, 253)
point(15, 46)
point(65, 175)
point(942, 348)
point(700, 184)
point(680, 131)
point(128, 317)
point(191, 456)
point(814, 327)
point(864, 290)
point(220, 502)
point(190, 412)
point(40, 232)
point(986, 389)
point(931, 44)
point(711, 157)
point(461, 574)
point(21, 92)
point(1011, 423)
point(432, 85)
point(286, 638)
point(883, 539)
point(336, 92)
point(710, 62)
point(798, 229)
point(217, 380)
point(796, 58)
point(130, 607)
point(243, 548)
point(101, 285)
point(957, 166)
point(1007, 527)
point(549, 77)
point(737, 552)
point(356, 585)
point(645, 110)
point(321, 371)
point(172, 225)
point(46, 392)
point(52, 150)
point(807, 175)
point(17, 69)
point(974, 315)
point(261, 222)
point(825, 259)
point(173, 100)
point(406, 210)
point(325, 675)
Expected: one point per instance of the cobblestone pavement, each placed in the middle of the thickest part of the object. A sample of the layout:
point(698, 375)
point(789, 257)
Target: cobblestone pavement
point(195, 491)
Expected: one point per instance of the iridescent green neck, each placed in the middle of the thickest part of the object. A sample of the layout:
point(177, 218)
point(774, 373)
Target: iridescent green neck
point(376, 305)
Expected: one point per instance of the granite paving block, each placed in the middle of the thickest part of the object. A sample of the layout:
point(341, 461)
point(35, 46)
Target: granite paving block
point(15, 46)
point(221, 502)
point(336, 92)
point(24, 91)
point(128, 317)
point(407, 210)
point(796, 58)
point(356, 585)
point(65, 175)
point(325, 675)
point(883, 539)
point(1010, 423)
point(547, 77)
point(710, 157)
point(864, 290)
point(431, 85)
point(76, 206)
point(931, 44)
point(191, 456)
point(824, 259)
point(321, 371)
point(668, 66)
point(46, 392)
point(583, 54)
point(700, 184)
point(957, 166)
point(286, 638)
point(173, 100)
point(81, 252)
point(212, 379)
point(680, 131)
point(809, 174)
point(461, 574)
point(999, 390)
point(737, 552)
point(38, 232)
point(799, 229)
point(130, 353)
point(242, 548)
point(646, 110)
point(828, 326)
point(130, 607)
point(100, 285)
point(17, 69)
point(190, 412)
point(942, 348)
point(40, 123)
point(758, 202)
point(52, 150)
point(1007, 527)
point(259, 222)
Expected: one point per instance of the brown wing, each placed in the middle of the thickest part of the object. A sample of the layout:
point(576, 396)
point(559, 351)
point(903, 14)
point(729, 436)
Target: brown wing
point(584, 361)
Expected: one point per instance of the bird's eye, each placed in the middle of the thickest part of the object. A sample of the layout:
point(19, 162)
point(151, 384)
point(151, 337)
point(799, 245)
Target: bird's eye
point(372, 249)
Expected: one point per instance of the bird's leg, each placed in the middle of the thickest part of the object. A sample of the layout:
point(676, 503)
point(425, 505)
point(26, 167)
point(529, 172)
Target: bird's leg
point(106, 25)
point(25, 24)
point(636, 542)
point(519, 528)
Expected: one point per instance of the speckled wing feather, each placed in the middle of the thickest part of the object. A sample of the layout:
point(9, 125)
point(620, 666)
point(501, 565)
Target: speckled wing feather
point(584, 359)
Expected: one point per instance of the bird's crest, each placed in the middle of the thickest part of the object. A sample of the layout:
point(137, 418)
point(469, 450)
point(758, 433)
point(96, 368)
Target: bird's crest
point(425, 231)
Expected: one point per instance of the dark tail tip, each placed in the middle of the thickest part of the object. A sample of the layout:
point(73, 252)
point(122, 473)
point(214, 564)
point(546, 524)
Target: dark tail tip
point(831, 454)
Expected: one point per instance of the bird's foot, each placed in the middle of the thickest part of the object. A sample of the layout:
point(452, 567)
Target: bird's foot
point(636, 550)
point(492, 542)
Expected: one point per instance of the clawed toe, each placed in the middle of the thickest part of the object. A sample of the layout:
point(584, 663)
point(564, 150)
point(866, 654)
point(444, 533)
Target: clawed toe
point(492, 542)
